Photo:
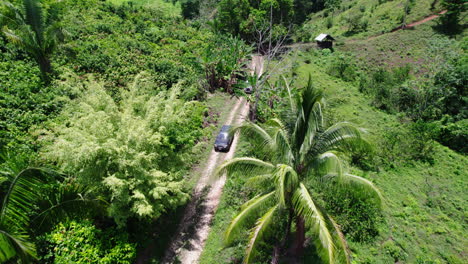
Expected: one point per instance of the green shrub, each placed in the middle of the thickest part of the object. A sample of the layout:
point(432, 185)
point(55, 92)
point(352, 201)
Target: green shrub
point(131, 39)
point(82, 242)
point(25, 102)
point(393, 250)
point(133, 152)
point(454, 135)
point(342, 67)
point(407, 143)
point(357, 214)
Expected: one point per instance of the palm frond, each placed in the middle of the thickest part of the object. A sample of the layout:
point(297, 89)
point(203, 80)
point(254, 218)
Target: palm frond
point(352, 181)
point(306, 105)
point(15, 244)
point(262, 181)
point(20, 197)
point(12, 15)
point(69, 200)
point(341, 239)
point(13, 37)
point(53, 34)
point(287, 181)
point(256, 135)
point(34, 18)
point(315, 219)
point(247, 166)
point(327, 163)
point(282, 148)
point(314, 125)
point(257, 234)
point(292, 100)
point(275, 122)
point(342, 136)
point(18, 202)
point(249, 210)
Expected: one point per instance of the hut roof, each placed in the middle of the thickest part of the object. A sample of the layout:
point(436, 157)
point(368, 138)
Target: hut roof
point(323, 37)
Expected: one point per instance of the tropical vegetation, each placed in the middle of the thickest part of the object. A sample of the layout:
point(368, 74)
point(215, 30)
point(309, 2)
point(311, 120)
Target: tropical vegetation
point(109, 108)
point(298, 158)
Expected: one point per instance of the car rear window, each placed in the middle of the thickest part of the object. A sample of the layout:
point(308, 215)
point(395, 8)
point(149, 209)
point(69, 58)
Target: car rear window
point(222, 136)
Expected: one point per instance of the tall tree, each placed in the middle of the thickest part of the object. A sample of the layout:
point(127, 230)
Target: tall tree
point(451, 19)
point(36, 30)
point(291, 155)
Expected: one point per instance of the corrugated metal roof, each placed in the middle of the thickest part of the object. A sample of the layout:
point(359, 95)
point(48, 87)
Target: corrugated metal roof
point(323, 36)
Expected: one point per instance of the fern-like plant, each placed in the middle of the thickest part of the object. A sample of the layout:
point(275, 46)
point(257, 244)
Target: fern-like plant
point(291, 153)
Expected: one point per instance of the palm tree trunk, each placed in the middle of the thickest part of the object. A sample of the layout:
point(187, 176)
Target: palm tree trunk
point(253, 110)
point(45, 67)
point(276, 255)
point(300, 236)
point(288, 228)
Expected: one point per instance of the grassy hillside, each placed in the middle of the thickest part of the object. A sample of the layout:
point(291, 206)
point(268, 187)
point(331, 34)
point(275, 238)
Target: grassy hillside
point(424, 217)
point(360, 18)
point(425, 203)
point(168, 8)
point(424, 212)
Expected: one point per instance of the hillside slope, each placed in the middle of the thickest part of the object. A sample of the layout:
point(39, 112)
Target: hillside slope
point(362, 18)
point(425, 203)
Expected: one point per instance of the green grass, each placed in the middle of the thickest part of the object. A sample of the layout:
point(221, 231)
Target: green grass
point(411, 46)
point(380, 17)
point(425, 208)
point(425, 204)
point(166, 6)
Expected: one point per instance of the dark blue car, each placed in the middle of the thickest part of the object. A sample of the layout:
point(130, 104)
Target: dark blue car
point(223, 140)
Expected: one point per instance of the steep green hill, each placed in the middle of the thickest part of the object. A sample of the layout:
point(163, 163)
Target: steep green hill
point(359, 18)
point(424, 216)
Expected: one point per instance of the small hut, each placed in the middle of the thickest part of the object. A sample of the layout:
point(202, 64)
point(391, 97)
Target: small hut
point(324, 41)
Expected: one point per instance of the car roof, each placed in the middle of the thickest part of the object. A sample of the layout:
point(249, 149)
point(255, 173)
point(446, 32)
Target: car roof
point(225, 128)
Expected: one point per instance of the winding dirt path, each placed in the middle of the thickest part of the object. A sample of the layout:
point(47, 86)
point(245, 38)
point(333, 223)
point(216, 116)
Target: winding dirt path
point(189, 241)
point(429, 18)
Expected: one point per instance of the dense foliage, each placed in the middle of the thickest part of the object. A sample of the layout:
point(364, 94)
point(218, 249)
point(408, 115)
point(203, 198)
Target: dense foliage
point(296, 156)
point(109, 96)
point(131, 150)
point(126, 142)
point(223, 60)
point(82, 242)
point(35, 29)
point(451, 20)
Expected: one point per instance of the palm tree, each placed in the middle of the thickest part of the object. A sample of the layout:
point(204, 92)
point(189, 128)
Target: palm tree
point(17, 202)
point(23, 205)
point(35, 31)
point(290, 156)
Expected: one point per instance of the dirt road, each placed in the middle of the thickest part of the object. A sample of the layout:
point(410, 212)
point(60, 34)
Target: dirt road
point(194, 227)
point(256, 65)
point(187, 245)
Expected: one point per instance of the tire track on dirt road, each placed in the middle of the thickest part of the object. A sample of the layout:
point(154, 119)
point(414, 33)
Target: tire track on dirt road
point(187, 244)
